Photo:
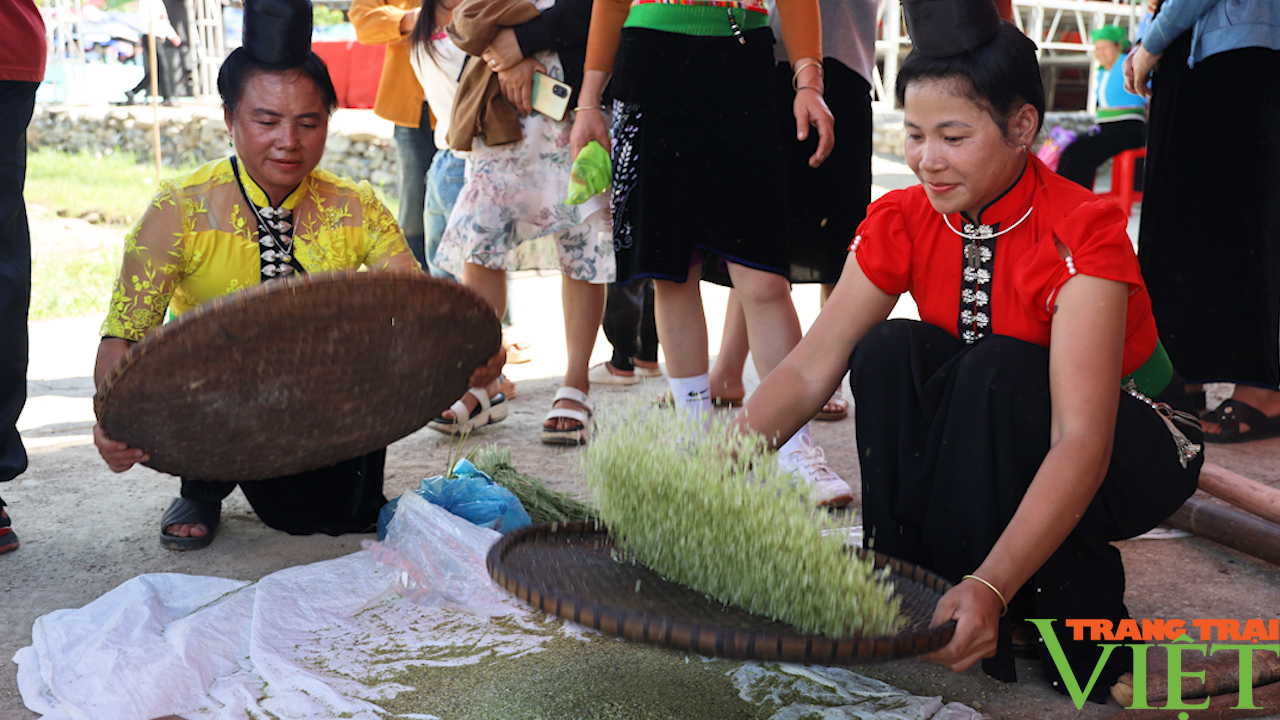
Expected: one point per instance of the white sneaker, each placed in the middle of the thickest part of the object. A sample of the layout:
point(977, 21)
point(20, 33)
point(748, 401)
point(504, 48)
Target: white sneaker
point(809, 464)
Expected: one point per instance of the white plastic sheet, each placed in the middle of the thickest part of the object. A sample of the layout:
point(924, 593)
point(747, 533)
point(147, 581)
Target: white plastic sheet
point(322, 640)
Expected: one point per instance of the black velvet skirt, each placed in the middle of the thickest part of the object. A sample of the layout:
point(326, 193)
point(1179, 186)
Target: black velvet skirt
point(1210, 238)
point(697, 167)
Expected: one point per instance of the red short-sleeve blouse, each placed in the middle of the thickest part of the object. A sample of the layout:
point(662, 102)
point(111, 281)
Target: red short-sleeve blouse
point(1007, 284)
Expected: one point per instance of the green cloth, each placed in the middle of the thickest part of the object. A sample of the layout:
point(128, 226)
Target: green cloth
point(590, 174)
point(1153, 377)
point(703, 20)
point(1112, 33)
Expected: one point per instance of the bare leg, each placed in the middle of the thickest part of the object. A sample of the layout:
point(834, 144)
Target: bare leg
point(726, 375)
point(490, 283)
point(583, 305)
point(773, 328)
point(682, 326)
point(492, 286)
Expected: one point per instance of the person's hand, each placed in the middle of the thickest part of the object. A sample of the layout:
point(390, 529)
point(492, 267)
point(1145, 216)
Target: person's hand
point(588, 125)
point(976, 610)
point(175, 41)
point(517, 87)
point(408, 20)
point(811, 110)
point(119, 456)
point(488, 372)
point(1139, 66)
point(504, 52)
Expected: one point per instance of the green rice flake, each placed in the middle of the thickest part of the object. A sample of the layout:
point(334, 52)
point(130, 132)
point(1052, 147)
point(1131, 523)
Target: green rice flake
point(710, 509)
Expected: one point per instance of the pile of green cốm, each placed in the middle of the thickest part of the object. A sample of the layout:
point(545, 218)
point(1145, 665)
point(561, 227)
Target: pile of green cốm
point(710, 509)
point(543, 504)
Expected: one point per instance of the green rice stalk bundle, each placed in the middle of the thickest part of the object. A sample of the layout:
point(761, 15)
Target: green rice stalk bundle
point(543, 504)
point(711, 510)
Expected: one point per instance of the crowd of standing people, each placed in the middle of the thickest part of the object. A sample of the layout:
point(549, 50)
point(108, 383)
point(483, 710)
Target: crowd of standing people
point(1049, 399)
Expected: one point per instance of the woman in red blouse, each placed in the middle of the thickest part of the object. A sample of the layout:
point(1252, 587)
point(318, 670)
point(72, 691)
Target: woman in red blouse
point(1020, 426)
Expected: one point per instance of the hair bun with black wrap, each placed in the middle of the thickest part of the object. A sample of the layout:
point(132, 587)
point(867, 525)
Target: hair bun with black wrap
point(941, 28)
point(278, 32)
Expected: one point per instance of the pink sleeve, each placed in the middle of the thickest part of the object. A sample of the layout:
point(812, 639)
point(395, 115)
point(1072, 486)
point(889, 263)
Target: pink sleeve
point(882, 245)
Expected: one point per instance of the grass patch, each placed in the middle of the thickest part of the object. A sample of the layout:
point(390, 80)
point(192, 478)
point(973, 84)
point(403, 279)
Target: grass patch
point(111, 190)
point(114, 187)
point(72, 285)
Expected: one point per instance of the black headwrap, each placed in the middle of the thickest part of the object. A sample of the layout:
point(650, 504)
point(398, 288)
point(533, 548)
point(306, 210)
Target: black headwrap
point(278, 32)
point(941, 28)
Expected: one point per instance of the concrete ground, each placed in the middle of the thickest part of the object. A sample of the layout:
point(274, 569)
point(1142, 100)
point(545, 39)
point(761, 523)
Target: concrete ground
point(85, 530)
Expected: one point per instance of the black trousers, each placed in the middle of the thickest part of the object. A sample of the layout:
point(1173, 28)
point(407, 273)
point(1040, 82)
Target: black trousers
point(1080, 160)
point(629, 324)
point(344, 498)
point(949, 438)
point(166, 75)
point(18, 100)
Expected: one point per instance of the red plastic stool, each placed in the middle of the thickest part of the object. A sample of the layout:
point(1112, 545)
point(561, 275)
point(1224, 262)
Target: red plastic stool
point(1122, 170)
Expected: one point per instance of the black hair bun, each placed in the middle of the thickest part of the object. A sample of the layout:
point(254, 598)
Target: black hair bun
point(941, 28)
point(278, 32)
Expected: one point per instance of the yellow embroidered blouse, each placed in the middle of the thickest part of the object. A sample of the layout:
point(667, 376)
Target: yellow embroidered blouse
point(198, 241)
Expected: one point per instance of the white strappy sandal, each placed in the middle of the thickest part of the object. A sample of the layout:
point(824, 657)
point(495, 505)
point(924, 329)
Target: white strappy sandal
point(573, 436)
point(489, 410)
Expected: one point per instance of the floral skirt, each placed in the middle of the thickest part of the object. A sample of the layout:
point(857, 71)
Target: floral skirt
point(511, 213)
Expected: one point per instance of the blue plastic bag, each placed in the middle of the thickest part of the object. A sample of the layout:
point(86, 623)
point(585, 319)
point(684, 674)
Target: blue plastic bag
point(469, 494)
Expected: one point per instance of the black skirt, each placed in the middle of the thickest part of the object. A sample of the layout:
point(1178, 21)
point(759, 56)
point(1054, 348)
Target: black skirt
point(1210, 237)
point(950, 437)
point(827, 203)
point(343, 498)
point(697, 164)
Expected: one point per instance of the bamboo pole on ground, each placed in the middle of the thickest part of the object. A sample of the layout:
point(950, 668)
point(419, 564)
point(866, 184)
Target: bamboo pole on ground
point(1251, 495)
point(1228, 526)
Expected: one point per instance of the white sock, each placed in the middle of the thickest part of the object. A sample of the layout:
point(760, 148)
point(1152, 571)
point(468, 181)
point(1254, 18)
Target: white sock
point(692, 395)
point(791, 445)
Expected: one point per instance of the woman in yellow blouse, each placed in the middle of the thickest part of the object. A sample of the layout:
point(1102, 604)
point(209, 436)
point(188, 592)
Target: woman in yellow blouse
point(267, 212)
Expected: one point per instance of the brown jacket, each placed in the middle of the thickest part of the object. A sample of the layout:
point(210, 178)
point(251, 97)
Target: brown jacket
point(479, 109)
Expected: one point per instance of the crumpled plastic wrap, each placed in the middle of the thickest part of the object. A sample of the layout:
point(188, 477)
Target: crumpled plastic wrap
point(329, 639)
point(439, 563)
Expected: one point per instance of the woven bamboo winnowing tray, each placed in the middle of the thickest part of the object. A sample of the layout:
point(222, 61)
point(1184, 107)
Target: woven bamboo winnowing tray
point(570, 570)
point(297, 374)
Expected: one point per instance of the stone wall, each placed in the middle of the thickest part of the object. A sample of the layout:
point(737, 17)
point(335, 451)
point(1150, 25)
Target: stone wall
point(195, 136)
point(198, 135)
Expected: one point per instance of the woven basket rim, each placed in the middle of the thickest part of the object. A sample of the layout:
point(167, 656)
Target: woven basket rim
point(207, 396)
point(795, 646)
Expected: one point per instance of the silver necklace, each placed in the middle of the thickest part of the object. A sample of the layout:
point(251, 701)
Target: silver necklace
point(982, 232)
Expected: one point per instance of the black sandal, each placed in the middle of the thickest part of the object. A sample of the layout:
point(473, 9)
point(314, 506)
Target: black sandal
point(184, 510)
point(1230, 414)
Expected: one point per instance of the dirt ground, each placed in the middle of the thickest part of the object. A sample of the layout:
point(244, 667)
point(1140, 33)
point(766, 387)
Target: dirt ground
point(85, 530)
